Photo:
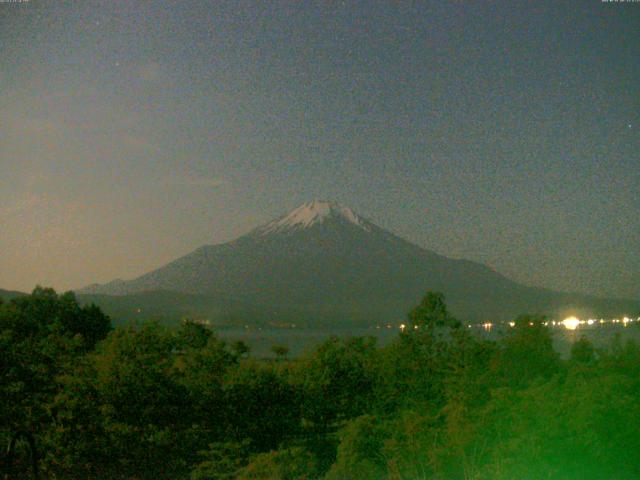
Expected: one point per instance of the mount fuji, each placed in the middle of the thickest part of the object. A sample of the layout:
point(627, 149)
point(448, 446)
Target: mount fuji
point(323, 263)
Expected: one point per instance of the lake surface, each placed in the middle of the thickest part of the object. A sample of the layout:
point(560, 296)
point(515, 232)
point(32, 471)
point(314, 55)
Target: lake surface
point(301, 340)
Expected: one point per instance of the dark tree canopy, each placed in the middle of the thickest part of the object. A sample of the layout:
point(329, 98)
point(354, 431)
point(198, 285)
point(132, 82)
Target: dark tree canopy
point(151, 402)
point(431, 312)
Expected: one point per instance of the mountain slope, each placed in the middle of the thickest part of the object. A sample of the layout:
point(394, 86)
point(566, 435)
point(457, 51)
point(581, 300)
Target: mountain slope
point(9, 294)
point(325, 262)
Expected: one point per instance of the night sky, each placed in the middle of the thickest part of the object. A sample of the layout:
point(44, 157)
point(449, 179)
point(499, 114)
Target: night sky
point(502, 132)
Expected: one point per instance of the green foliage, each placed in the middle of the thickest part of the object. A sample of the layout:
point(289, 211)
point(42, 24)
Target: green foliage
point(221, 461)
point(193, 334)
point(142, 428)
point(431, 312)
point(152, 402)
point(288, 464)
point(360, 453)
point(582, 351)
point(241, 349)
point(337, 380)
point(527, 352)
point(41, 335)
point(201, 372)
point(415, 445)
point(280, 351)
point(260, 406)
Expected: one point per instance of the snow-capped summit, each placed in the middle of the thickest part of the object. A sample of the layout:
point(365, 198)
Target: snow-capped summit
point(324, 263)
point(311, 213)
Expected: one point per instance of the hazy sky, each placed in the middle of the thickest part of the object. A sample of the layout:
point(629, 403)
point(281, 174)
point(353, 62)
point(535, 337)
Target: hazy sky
point(503, 132)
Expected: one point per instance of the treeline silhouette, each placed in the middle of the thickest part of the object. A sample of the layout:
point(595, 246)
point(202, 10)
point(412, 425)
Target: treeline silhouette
point(151, 402)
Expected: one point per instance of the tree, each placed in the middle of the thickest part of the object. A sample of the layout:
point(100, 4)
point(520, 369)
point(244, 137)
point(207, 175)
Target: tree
point(221, 461)
point(294, 463)
point(87, 321)
point(360, 452)
point(527, 352)
point(337, 380)
point(415, 445)
point(123, 413)
point(280, 351)
point(202, 372)
point(431, 312)
point(259, 406)
point(192, 334)
point(241, 349)
point(41, 336)
point(582, 351)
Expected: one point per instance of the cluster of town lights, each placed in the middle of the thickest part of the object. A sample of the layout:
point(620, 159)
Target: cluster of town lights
point(570, 323)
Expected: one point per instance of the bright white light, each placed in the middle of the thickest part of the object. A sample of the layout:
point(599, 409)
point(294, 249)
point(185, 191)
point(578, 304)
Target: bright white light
point(625, 320)
point(590, 321)
point(512, 324)
point(402, 327)
point(487, 325)
point(571, 323)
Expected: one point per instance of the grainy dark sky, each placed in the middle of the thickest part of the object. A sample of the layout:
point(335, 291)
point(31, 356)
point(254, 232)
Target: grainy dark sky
point(503, 132)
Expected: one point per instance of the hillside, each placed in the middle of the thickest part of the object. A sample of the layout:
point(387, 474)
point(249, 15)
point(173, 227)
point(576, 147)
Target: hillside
point(324, 263)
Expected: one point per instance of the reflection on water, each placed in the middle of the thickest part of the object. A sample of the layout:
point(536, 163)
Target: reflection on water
point(599, 332)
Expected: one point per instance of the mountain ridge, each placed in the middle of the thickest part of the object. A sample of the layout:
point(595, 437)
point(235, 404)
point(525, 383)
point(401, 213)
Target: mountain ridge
point(322, 256)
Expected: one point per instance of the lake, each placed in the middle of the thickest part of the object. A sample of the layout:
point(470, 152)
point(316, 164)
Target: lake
point(301, 340)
